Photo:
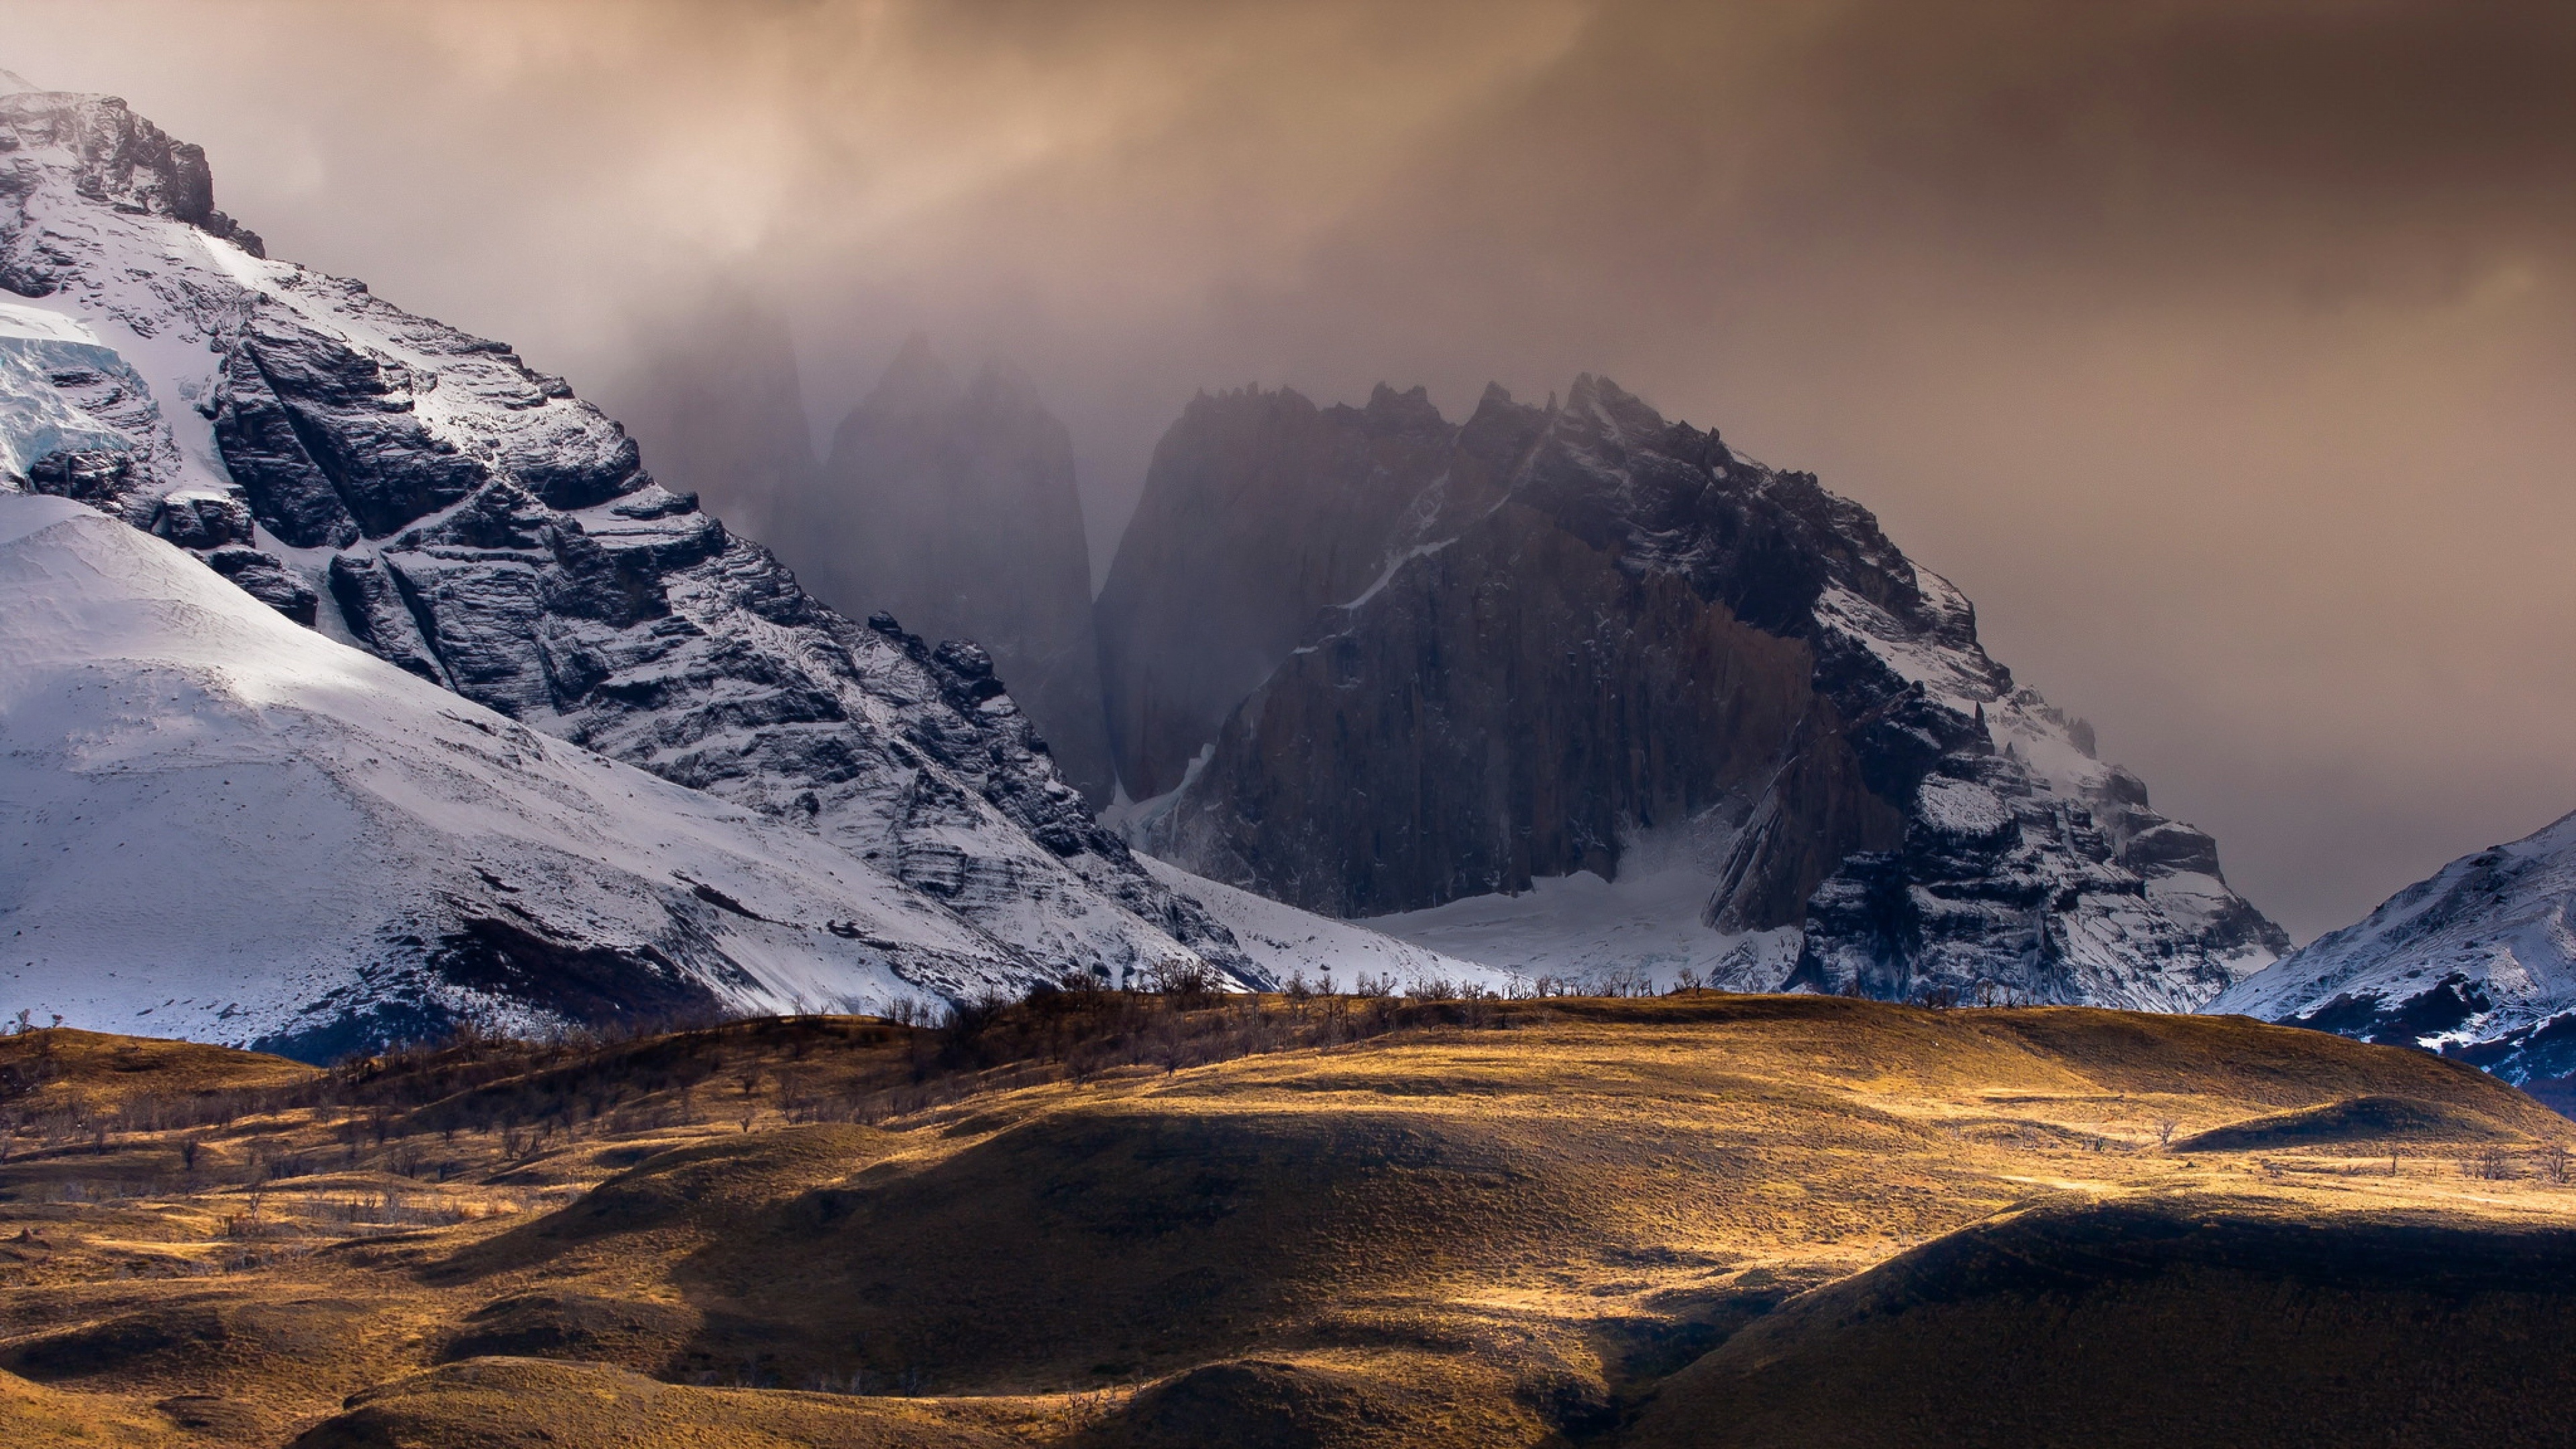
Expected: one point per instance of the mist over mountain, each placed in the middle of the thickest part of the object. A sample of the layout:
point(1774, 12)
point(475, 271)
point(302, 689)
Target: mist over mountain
point(2151, 326)
point(713, 395)
point(951, 505)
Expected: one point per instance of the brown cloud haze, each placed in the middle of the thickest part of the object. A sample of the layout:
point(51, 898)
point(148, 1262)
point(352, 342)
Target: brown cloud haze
point(2221, 351)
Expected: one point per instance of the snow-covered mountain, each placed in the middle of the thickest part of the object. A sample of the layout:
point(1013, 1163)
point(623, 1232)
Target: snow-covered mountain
point(1435, 675)
point(1367, 662)
point(220, 824)
point(2477, 962)
point(427, 497)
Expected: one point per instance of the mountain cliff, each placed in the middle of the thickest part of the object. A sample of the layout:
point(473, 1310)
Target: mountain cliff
point(1260, 509)
point(953, 506)
point(2478, 962)
point(429, 497)
point(1481, 658)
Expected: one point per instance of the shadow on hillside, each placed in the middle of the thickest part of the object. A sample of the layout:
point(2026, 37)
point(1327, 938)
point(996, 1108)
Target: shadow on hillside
point(2163, 1322)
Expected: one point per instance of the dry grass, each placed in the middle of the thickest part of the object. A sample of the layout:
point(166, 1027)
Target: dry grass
point(1113, 1220)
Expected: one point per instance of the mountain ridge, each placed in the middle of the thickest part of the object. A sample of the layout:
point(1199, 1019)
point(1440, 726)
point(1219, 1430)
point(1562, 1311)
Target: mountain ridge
point(425, 496)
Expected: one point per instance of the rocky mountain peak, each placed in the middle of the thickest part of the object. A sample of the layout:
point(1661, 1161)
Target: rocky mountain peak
point(111, 157)
point(1515, 650)
point(1390, 411)
point(915, 382)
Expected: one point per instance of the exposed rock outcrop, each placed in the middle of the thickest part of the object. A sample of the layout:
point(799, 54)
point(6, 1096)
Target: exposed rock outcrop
point(1484, 655)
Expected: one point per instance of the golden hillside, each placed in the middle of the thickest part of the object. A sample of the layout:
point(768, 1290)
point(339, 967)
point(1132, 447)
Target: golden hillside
point(1119, 1221)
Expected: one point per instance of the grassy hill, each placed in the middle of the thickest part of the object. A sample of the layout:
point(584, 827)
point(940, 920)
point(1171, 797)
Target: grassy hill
point(1105, 1220)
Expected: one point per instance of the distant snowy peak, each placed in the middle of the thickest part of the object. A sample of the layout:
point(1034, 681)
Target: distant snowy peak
point(427, 496)
point(2479, 961)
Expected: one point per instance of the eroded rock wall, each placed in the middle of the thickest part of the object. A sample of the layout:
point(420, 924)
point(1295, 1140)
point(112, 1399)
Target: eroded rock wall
point(1259, 510)
point(1586, 624)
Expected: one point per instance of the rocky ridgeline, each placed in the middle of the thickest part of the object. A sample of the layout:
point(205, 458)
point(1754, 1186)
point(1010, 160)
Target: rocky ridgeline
point(1369, 661)
point(428, 496)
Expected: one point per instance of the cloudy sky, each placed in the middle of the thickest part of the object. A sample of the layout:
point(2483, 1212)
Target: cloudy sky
point(2220, 349)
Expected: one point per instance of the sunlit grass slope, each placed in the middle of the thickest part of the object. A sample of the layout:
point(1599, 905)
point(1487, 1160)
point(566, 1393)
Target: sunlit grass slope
point(1360, 1223)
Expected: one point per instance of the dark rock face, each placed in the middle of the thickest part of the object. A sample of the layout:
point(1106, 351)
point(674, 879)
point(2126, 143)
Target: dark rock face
point(1259, 510)
point(954, 509)
point(203, 521)
point(1504, 733)
point(1497, 652)
point(264, 578)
